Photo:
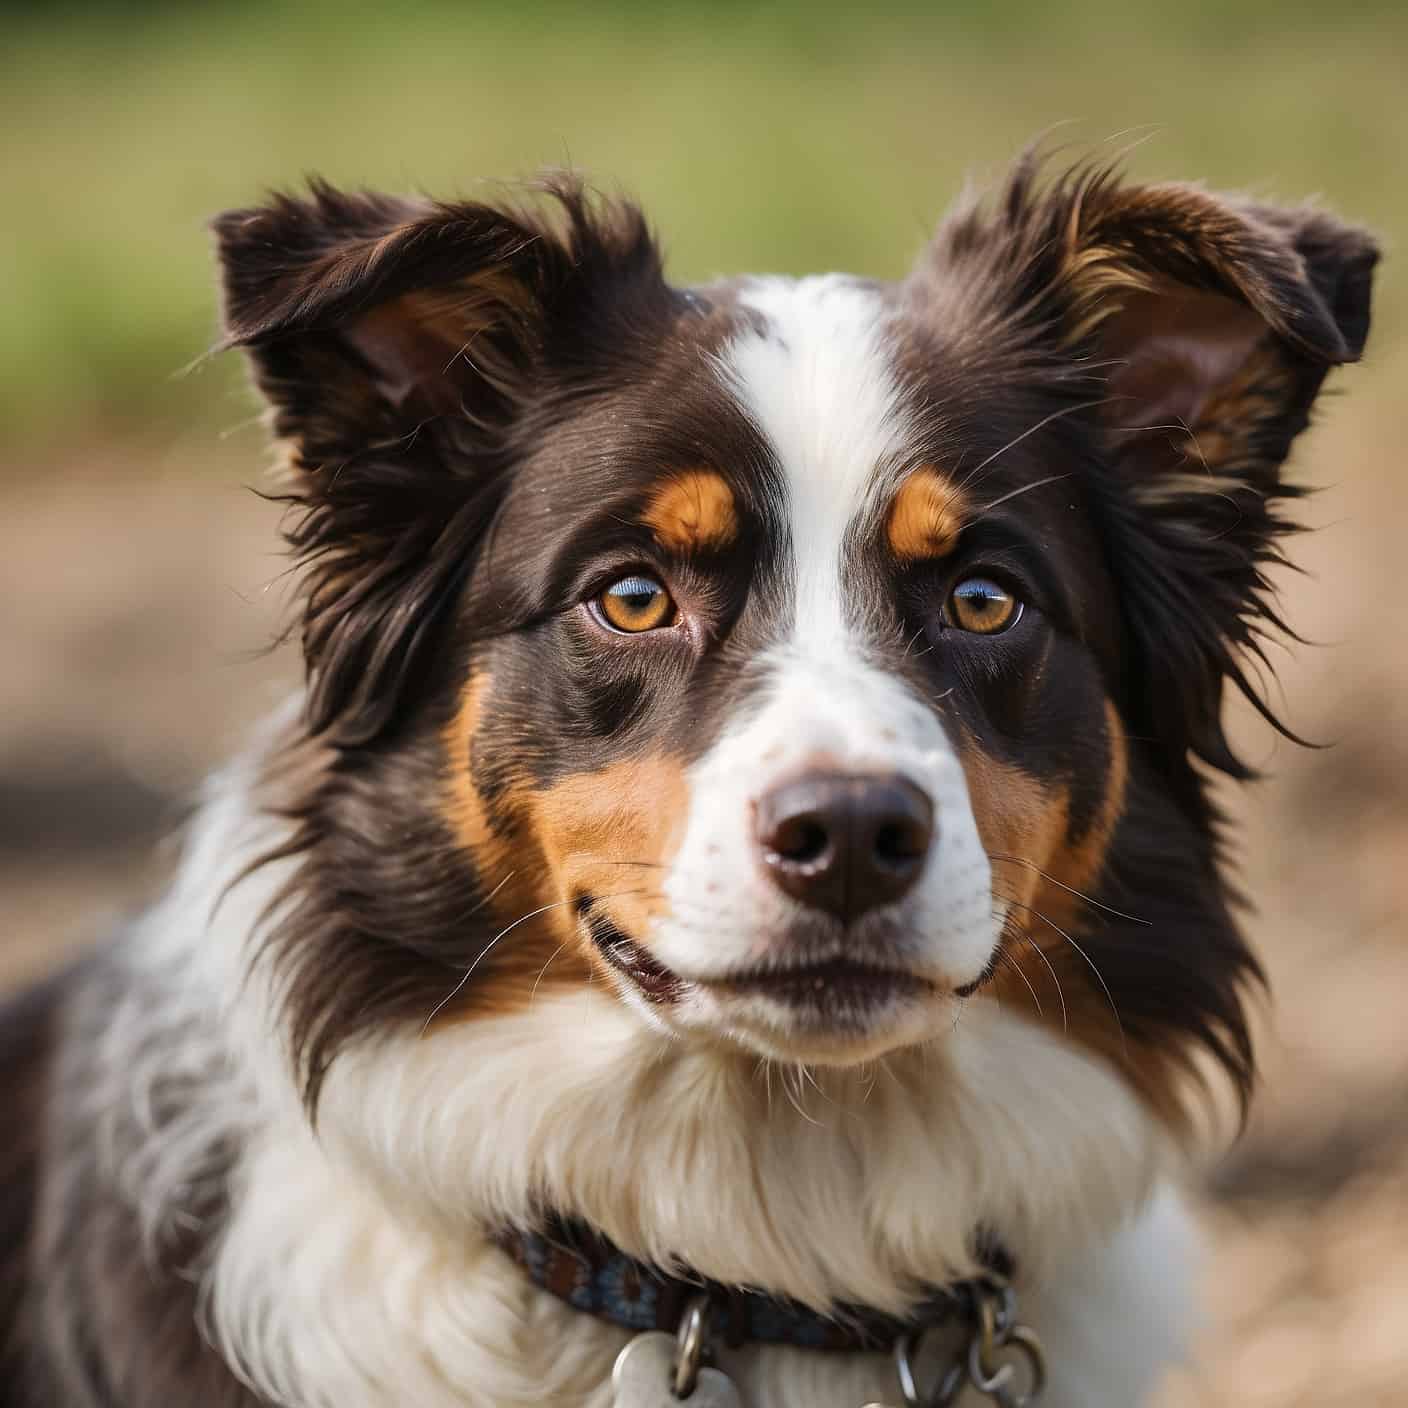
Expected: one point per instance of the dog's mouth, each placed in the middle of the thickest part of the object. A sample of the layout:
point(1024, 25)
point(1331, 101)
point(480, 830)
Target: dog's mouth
point(655, 981)
point(828, 988)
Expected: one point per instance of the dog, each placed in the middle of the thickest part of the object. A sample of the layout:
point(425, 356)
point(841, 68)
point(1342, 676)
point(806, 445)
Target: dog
point(737, 908)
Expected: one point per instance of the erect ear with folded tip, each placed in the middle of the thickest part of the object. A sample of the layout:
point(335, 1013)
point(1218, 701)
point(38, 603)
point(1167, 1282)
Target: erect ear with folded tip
point(1219, 321)
point(1206, 326)
point(365, 314)
point(397, 342)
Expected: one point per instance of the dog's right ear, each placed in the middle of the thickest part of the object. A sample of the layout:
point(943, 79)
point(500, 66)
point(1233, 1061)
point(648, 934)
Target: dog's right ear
point(397, 342)
point(366, 314)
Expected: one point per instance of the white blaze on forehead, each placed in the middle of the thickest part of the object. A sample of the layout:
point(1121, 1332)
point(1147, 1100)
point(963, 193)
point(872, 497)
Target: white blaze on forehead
point(816, 381)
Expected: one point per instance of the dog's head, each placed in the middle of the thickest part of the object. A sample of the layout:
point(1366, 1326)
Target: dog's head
point(789, 659)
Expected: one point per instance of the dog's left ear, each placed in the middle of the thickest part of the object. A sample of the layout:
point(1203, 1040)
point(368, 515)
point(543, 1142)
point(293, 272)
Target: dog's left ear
point(1219, 321)
point(1204, 326)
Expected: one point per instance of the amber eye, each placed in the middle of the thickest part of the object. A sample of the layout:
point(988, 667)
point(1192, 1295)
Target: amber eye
point(634, 604)
point(980, 605)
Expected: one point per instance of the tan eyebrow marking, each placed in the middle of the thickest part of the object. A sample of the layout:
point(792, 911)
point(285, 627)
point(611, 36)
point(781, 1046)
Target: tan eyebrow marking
point(693, 510)
point(925, 516)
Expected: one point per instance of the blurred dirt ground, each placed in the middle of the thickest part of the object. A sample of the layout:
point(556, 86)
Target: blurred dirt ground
point(136, 594)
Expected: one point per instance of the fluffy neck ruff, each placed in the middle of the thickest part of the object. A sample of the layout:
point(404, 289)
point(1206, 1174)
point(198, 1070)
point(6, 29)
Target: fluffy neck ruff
point(858, 1186)
point(828, 1187)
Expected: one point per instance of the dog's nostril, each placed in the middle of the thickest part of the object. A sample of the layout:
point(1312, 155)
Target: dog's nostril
point(800, 839)
point(901, 843)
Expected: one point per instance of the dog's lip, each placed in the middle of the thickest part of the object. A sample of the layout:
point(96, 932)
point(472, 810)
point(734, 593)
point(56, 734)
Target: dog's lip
point(803, 982)
point(653, 978)
point(794, 982)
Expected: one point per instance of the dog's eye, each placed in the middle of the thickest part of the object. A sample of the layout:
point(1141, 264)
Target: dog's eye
point(980, 605)
point(634, 604)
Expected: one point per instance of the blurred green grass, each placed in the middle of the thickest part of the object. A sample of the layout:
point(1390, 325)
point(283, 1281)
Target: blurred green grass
point(787, 136)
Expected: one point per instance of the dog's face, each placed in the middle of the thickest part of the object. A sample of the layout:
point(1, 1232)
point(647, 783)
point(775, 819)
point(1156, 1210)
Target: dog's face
point(791, 660)
point(799, 653)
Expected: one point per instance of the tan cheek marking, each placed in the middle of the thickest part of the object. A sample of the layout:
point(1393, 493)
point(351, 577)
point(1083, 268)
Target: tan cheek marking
point(1078, 866)
point(925, 517)
point(530, 960)
point(1160, 1081)
point(1017, 816)
point(613, 833)
point(564, 840)
point(464, 807)
point(693, 511)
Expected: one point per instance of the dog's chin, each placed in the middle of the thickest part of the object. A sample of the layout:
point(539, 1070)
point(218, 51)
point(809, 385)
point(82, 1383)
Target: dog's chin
point(835, 1011)
point(842, 1025)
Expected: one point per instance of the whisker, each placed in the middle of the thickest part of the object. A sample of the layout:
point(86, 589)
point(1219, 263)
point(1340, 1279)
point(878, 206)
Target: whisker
point(1008, 961)
point(1017, 440)
point(542, 970)
point(1017, 494)
point(1070, 890)
point(484, 953)
point(867, 1088)
point(798, 1099)
point(480, 957)
point(1055, 977)
point(486, 900)
point(1090, 963)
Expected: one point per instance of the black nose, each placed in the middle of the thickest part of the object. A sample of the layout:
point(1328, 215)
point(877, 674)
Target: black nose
point(845, 844)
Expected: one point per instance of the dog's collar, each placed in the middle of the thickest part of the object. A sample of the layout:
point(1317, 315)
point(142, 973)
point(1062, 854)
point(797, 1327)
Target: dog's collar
point(581, 1267)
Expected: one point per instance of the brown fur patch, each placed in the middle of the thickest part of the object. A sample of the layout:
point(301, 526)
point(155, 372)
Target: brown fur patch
point(925, 517)
point(1077, 864)
point(528, 936)
point(1017, 815)
point(464, 807)
point(1044, 878)
point(612, 834)
point(609, 833)
point(693, 511)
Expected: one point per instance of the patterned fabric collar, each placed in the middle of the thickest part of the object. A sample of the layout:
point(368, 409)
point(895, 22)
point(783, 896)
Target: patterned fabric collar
point(581, 1267)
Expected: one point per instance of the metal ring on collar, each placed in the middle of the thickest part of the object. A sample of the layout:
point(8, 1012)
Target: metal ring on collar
point(692, 1336)
point(995, 1380)
point(948, 1388)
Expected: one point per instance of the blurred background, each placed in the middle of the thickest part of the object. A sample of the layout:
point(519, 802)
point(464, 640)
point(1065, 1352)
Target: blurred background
point(139, 578)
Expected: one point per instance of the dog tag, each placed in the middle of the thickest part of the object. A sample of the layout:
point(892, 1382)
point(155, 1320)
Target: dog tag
point(644, 1371)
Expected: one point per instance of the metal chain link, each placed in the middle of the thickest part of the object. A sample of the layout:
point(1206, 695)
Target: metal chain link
point(988, 1363)
point(997, 1332)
